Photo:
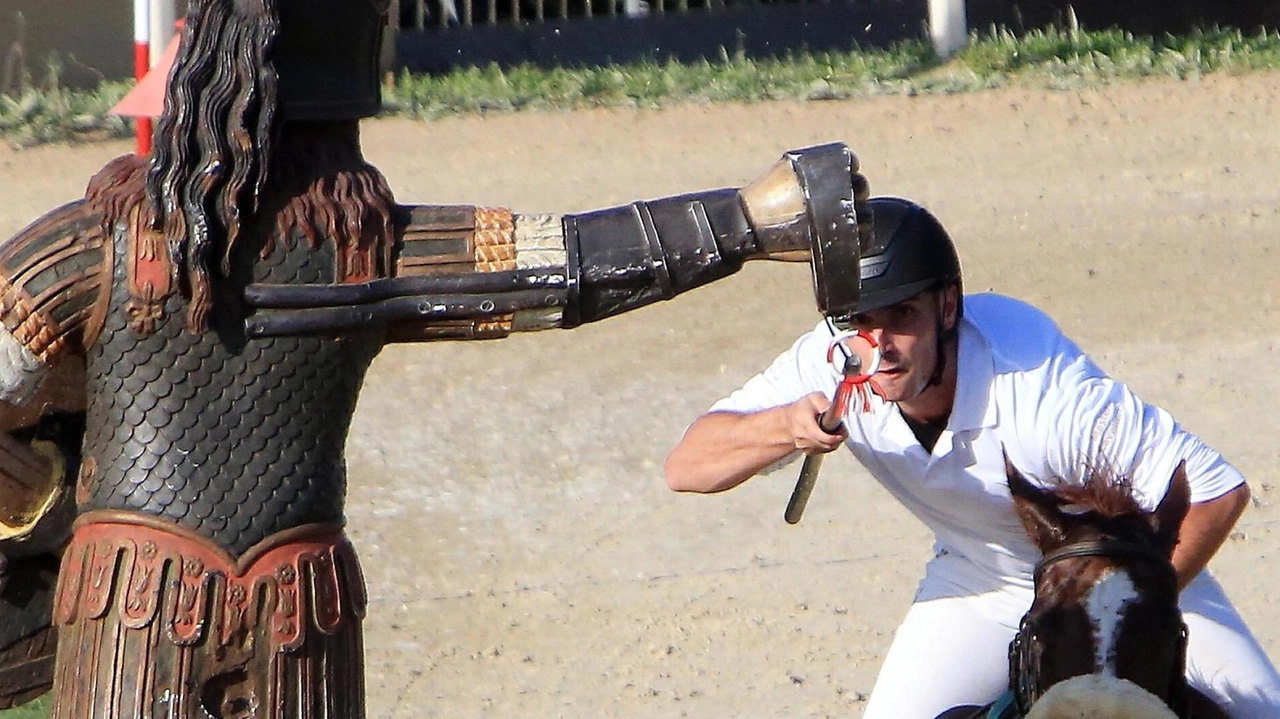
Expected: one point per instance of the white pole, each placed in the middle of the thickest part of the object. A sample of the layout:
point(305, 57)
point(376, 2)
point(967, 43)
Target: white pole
point(947, 26)
point(163, 15)
point(141, 33)
point(142, 63)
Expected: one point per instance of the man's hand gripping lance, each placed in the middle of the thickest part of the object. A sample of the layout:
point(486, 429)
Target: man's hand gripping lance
point(853, 381)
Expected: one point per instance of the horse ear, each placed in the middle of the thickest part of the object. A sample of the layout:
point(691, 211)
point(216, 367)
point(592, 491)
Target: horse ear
point(1037, 509)
point(1167, 519)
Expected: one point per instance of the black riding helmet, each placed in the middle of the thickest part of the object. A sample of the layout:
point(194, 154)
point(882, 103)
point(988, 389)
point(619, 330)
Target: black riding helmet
point(910, 253)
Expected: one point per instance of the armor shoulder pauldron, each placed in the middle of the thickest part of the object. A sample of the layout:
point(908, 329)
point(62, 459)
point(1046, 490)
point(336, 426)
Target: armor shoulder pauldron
point(54, 285)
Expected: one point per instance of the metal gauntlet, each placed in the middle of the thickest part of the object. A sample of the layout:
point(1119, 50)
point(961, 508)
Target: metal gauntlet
point(803, 209)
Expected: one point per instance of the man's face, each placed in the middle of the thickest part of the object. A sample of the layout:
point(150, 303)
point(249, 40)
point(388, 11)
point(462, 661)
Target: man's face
point(907, 334)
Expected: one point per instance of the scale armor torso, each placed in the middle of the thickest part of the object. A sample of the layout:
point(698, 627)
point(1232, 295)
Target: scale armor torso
point(207, 574)
point(235, 439)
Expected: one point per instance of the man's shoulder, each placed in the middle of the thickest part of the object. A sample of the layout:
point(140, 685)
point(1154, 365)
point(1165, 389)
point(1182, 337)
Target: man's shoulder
point(1021, 337)
point(999, 316)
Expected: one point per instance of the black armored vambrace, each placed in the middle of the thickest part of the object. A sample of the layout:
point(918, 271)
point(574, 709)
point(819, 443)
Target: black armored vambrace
point(464, 272)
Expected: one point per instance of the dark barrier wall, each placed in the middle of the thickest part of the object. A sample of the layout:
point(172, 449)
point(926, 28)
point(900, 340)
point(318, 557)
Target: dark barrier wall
point(756, 31)
point(94, 38)
point(774, 29)
point(1142, 17)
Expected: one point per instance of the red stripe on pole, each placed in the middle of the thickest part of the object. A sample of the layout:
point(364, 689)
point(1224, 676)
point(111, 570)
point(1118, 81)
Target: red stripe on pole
point(142, 125)
point(142, 131)
point(141, 59)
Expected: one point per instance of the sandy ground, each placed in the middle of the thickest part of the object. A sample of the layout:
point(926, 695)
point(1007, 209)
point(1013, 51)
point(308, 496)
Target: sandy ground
point(523, 556)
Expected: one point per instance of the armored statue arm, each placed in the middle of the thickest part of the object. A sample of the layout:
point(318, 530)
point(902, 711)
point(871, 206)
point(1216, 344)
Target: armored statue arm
point(53, 278)
point(461, 272)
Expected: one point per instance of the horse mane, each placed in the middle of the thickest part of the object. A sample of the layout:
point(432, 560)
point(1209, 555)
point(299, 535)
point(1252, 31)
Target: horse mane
point(1104, 492)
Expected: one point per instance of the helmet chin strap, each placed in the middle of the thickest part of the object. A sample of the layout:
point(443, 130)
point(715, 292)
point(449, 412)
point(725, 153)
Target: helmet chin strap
point(943, 336)
point(940, 363)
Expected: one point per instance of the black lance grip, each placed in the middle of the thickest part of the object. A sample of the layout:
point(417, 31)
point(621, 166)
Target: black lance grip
point(829, 422)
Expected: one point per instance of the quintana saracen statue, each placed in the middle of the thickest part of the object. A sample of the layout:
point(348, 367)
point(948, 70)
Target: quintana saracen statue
point(182, 349)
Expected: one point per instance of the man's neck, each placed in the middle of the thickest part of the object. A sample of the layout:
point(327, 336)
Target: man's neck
point(926, 433)
point(933, 405)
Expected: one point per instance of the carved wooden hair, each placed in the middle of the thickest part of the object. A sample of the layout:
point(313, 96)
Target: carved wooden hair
point(214, 141)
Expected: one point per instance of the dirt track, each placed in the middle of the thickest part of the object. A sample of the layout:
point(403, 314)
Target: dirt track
point(523, 556)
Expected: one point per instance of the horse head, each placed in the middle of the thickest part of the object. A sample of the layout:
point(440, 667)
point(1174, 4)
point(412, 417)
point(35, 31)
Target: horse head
point(1106, 596)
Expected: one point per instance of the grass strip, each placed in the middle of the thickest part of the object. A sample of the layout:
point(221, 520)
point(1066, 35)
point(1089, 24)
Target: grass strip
point(1050, 58)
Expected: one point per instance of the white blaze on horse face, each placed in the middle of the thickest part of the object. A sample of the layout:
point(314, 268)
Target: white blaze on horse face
point(1105, 605)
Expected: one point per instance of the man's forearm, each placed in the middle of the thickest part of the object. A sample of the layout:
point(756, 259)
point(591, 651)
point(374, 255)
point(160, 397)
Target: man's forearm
point(721, 450)
point(1205, 528)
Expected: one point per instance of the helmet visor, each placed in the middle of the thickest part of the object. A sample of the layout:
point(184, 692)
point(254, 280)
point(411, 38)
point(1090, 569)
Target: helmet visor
point(870, 301)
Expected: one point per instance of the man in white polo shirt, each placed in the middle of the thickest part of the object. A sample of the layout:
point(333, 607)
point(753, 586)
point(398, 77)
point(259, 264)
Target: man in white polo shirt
point(962, 379)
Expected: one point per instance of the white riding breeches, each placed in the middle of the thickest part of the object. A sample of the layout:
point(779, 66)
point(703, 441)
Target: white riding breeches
point(952, 648)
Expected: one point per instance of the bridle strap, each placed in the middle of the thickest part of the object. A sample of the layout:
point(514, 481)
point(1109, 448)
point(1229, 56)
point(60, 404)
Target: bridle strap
point(1104, 548)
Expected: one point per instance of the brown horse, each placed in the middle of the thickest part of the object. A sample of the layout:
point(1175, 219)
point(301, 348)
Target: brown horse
point(1106, 597)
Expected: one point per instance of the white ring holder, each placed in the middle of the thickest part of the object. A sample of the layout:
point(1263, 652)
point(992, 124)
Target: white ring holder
point(865, 337)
